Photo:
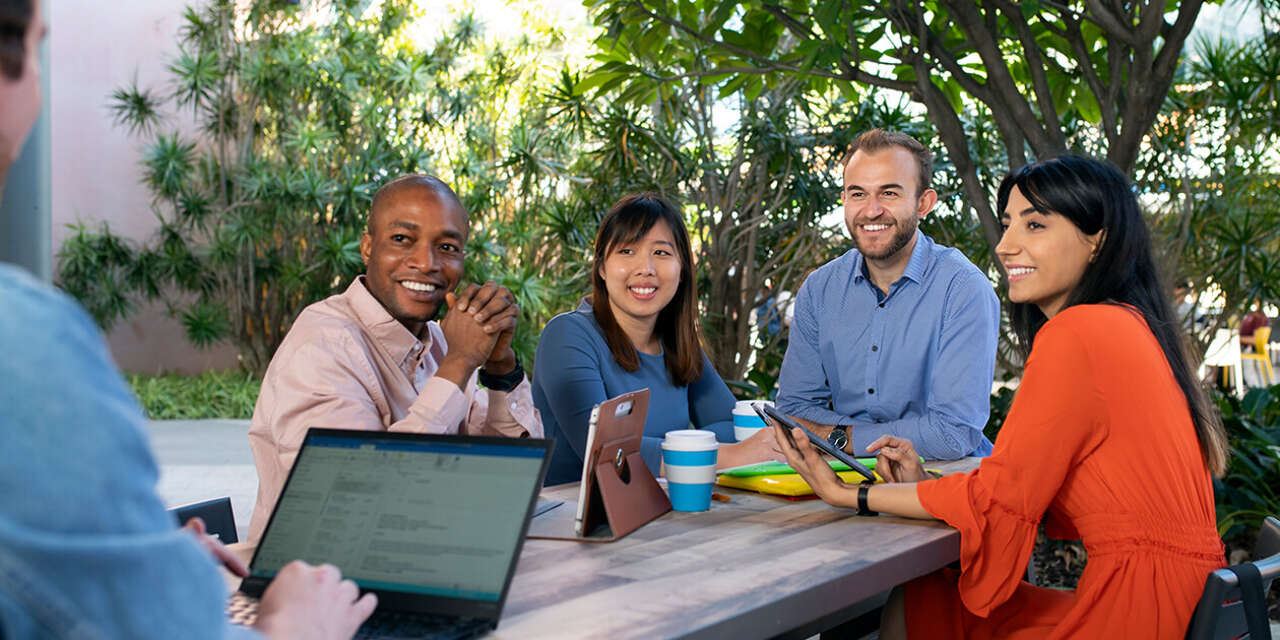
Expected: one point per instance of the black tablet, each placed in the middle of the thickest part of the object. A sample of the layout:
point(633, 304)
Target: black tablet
point(772, 416)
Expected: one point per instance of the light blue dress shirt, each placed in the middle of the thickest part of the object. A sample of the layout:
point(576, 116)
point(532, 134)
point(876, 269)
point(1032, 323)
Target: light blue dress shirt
point(574, 371)
point(916, 363)
point(87, 550)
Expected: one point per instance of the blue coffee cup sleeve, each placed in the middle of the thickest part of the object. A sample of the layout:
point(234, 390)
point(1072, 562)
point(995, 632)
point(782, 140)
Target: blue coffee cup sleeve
point(689, 458)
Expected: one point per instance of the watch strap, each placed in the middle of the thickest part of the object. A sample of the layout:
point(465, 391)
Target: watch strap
point(505, 382)
point(863, 509)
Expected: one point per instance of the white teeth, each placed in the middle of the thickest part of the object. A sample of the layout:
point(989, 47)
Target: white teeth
point(874, 227)
point(417, 286)
point(1021, 271)
point(644, 291)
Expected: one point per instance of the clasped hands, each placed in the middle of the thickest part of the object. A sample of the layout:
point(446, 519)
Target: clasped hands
point(478, 329)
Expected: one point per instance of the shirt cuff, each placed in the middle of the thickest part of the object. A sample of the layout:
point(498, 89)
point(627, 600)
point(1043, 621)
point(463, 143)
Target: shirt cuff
point(512, 413)
point(441, 407)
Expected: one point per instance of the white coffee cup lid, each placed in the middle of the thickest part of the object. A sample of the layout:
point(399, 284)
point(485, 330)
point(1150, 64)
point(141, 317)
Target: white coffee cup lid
point(690, 440)
point(743, 407)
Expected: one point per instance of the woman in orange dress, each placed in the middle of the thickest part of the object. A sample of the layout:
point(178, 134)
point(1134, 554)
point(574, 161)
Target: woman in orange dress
point(1109, 439)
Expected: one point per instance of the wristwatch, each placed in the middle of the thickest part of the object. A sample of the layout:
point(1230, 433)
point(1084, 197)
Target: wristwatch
point(504, 382)
point(863, 509)
point(839, 437)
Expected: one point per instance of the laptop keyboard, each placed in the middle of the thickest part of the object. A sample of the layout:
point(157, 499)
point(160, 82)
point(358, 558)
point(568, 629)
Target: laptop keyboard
point(243, 610)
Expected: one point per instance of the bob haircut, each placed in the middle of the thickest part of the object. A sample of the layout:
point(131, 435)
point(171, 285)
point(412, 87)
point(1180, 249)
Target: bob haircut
point(1096, 197)
point(677, 328)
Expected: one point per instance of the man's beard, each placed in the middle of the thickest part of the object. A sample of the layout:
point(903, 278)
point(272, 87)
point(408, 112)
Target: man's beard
point(901, 238)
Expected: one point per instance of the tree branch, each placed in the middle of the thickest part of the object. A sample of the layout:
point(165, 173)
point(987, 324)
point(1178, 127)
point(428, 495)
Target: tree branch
point(1035, 65)
point(1110, 23)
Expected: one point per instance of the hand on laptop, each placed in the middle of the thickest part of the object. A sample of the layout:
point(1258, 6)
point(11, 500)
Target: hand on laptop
point(312, 602)
point(215, 547)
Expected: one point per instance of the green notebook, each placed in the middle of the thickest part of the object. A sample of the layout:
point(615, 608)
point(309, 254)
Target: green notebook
point(776, 468)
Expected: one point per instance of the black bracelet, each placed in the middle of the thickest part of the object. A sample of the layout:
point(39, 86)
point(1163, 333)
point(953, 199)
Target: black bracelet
point(504, 382)
point(863, 509)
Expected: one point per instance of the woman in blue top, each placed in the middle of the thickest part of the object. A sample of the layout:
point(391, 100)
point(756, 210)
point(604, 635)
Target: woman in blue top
point(639, 329)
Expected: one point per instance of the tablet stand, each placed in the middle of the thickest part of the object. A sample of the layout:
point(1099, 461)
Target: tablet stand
point(622, 493)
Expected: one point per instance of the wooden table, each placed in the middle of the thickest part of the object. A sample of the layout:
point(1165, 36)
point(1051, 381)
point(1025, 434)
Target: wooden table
point(757, 566)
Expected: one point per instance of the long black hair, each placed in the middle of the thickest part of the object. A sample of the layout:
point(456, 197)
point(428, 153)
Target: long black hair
point(1096, 197)
point(677, 328)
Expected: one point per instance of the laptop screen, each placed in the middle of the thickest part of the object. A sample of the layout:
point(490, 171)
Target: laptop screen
point(431, 515)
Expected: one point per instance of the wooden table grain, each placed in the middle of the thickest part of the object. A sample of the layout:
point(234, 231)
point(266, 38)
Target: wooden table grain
point(755, 567)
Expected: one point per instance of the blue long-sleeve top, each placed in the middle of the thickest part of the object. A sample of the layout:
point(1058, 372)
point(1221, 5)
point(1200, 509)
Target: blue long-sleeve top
point(916, 363)
point(86, 546)
point(574, 371)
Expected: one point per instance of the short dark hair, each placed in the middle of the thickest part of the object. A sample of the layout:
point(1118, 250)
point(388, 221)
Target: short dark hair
point(422, 181)
point(877, 139)
point(1097, 197)
point(15, 19)
point(677, 327)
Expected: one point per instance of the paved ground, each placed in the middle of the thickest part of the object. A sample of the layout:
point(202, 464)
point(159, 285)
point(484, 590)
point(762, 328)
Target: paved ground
point(202, 459)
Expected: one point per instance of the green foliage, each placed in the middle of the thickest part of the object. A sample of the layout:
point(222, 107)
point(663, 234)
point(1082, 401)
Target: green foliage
point(302, 114)
point(213, 394)
point(1250, 490)
point(1211, 171)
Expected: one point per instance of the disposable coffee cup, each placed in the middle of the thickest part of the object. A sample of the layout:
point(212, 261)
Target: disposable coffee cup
point(689, 459)
point(746, 422)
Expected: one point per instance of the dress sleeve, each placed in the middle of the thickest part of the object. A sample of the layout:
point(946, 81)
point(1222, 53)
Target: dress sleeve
point(1055, 422)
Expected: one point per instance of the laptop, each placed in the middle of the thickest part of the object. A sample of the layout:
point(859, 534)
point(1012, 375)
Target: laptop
point(432, 524)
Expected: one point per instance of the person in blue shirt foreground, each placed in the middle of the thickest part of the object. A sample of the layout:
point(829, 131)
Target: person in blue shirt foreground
point(87, 549)
point(897, 336)
point(639, 329)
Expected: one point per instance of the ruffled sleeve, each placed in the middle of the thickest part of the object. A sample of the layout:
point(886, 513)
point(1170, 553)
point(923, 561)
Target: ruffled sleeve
point(1055, 422)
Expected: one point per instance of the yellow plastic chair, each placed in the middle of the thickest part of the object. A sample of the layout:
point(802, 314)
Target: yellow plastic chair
point(1261, 338)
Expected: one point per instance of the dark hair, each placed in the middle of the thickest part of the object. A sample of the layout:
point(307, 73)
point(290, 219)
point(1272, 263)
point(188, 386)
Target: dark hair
point(15, 19)
point(677, 328)
point(1095, 197)
point(877, 139)
point(413, 180)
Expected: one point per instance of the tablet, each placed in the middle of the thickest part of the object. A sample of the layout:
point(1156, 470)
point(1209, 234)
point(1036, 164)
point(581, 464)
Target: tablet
point(614, 432)
point(772, 416)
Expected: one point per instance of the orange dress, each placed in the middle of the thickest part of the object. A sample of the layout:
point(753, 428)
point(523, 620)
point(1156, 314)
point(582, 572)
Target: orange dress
point(1099, 443)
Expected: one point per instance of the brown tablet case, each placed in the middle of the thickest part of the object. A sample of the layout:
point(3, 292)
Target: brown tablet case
point(622, 493)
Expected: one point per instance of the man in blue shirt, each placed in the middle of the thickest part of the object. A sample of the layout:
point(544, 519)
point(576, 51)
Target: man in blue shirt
point(897, 336)
point(87, 550)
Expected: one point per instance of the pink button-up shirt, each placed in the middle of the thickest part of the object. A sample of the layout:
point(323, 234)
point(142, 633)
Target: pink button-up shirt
point(347, 364)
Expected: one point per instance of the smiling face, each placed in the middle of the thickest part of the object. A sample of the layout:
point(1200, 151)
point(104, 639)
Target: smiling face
point(413, 252)
point(881, 206)
point(643, 276)
point(1045, 255)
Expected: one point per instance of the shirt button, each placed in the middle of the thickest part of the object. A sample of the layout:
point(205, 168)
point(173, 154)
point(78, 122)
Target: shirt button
point(513, 406)
point(875, 348)
point(871, 390)
point(881, 305)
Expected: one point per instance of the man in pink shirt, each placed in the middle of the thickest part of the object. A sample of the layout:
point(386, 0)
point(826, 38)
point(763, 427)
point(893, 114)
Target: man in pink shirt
point(373, 357)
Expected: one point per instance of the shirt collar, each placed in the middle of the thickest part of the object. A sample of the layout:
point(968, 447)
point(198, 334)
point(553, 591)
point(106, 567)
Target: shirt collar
point(389, 333)
point(917, 265)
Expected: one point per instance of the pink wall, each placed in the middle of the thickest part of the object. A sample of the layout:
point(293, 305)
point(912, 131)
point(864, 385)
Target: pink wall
point(94, 48)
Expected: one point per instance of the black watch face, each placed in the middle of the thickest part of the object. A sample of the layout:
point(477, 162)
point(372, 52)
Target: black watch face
point(838, 439)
